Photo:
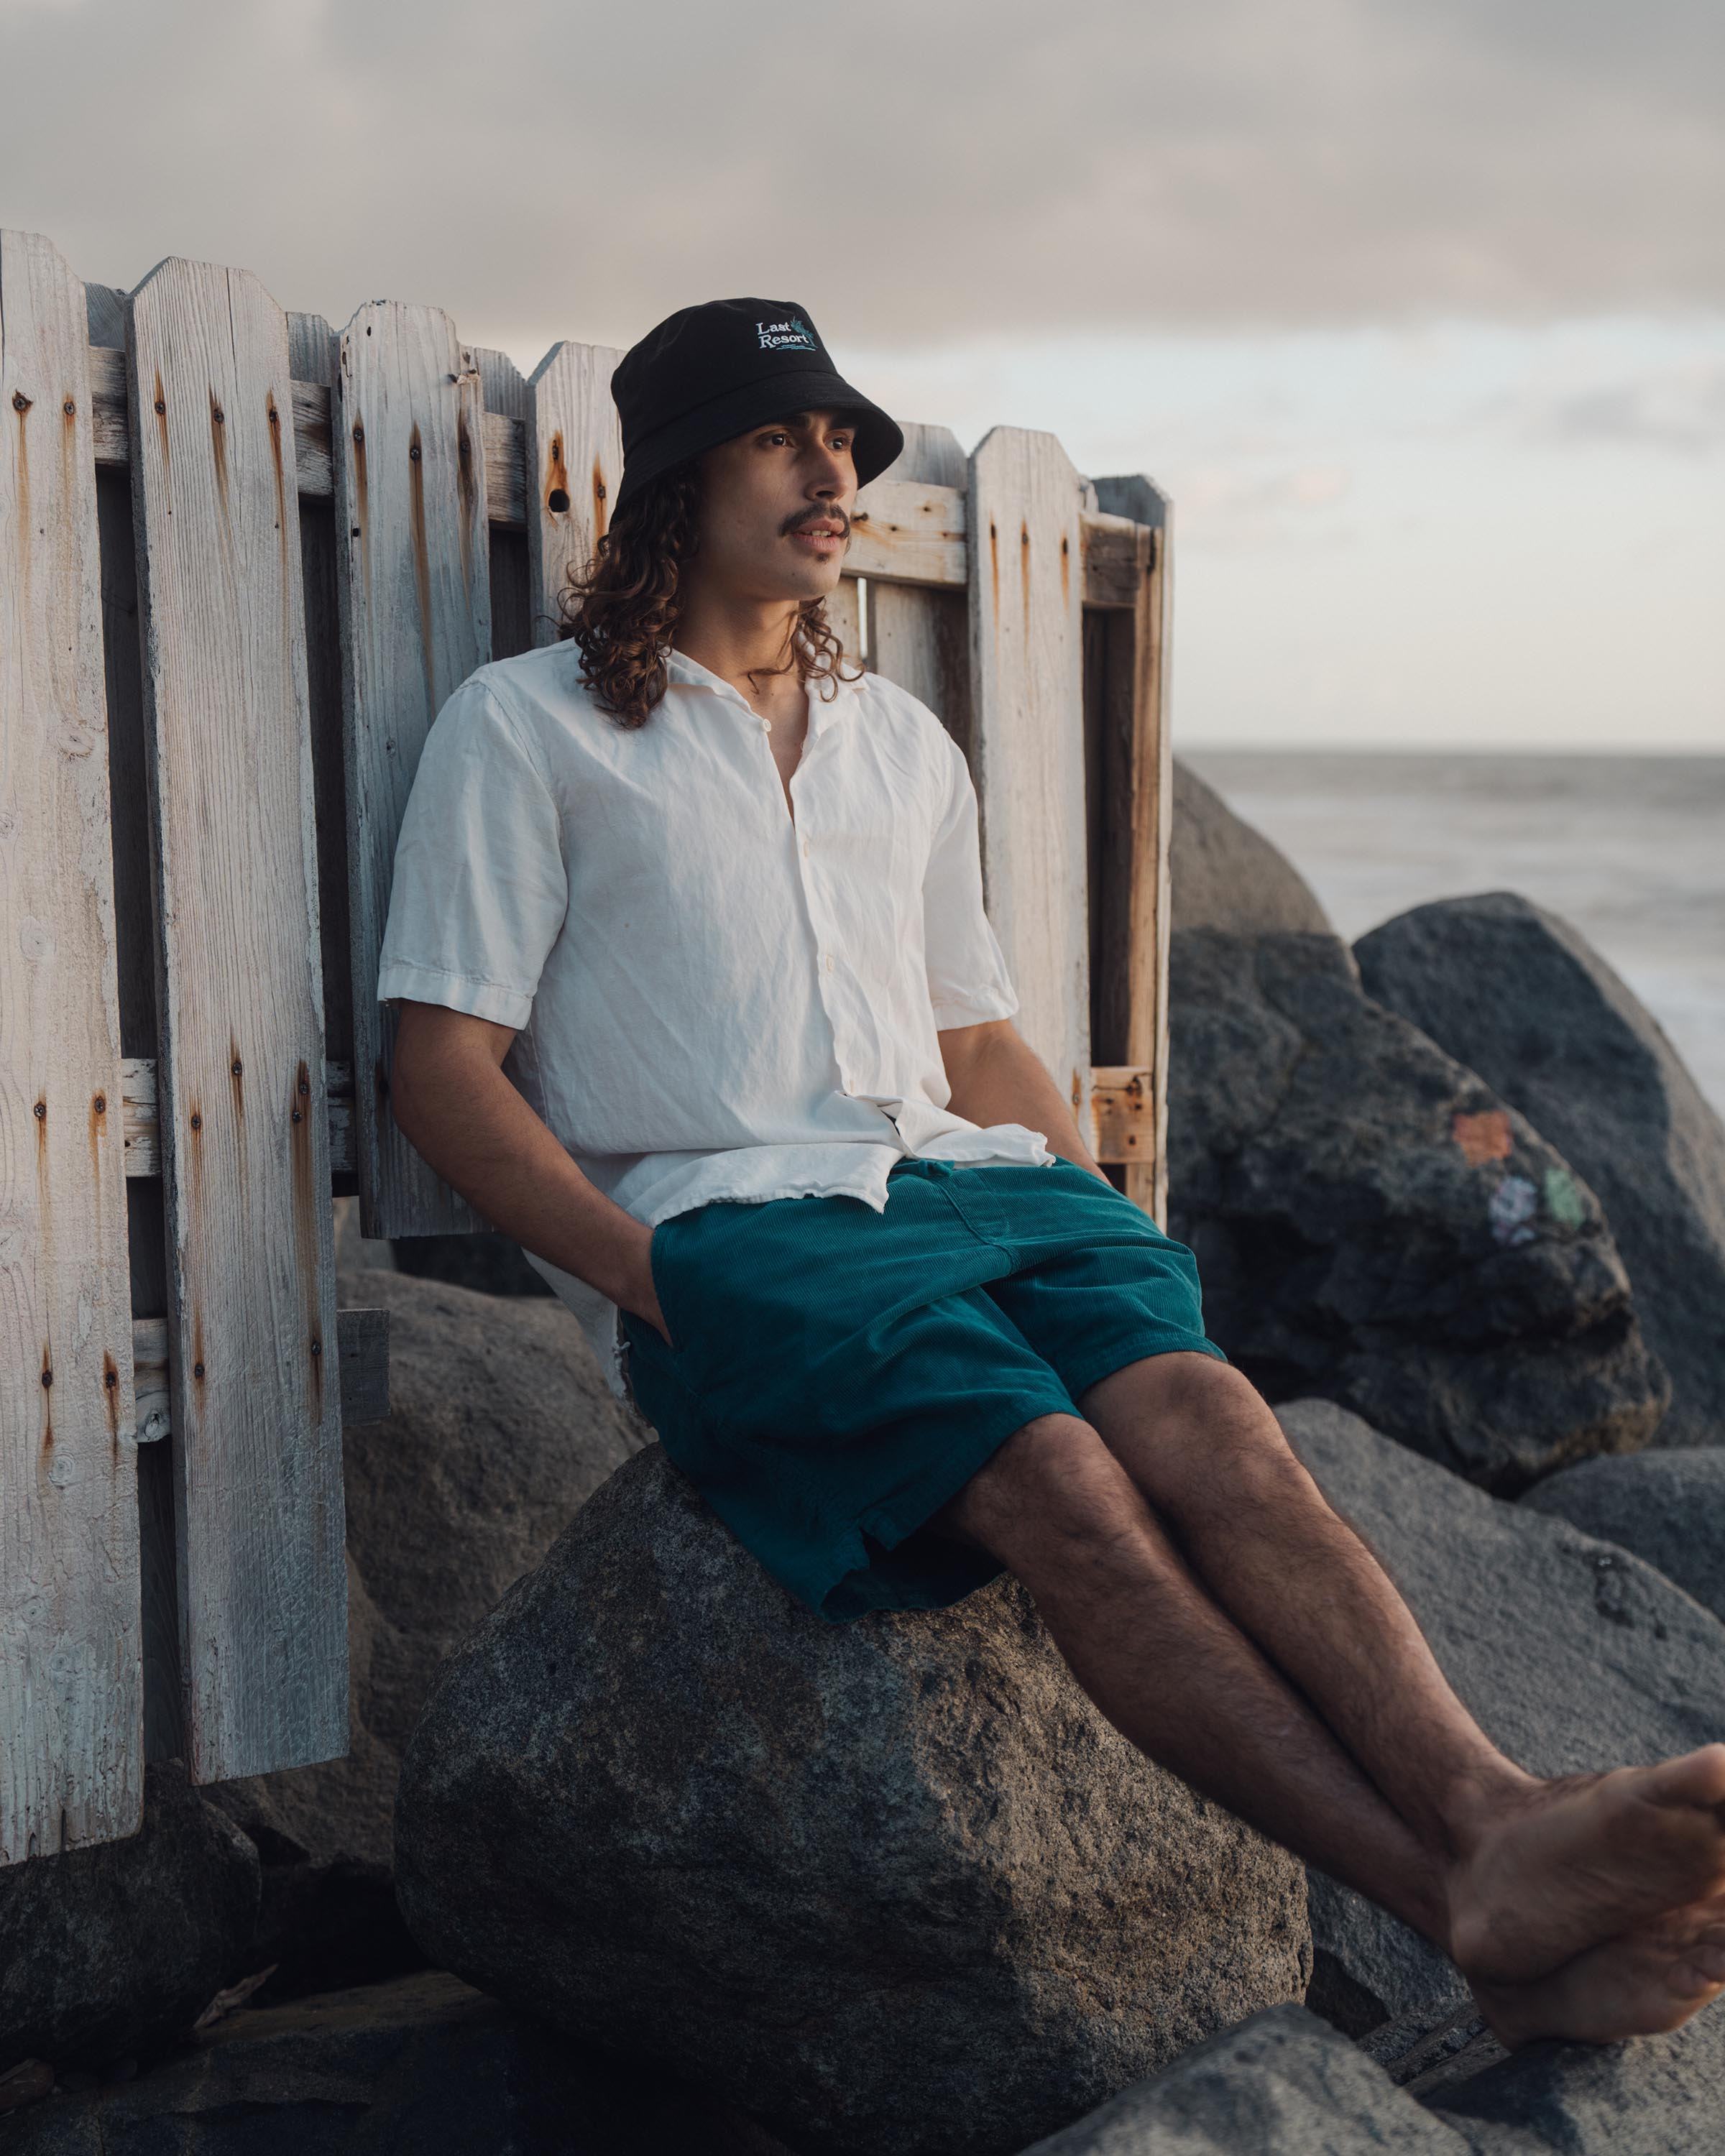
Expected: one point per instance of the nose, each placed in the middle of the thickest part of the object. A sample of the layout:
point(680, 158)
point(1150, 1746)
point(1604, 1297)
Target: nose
point(830, 474)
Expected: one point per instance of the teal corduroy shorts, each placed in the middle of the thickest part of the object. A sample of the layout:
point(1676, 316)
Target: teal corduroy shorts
point(836, 1374)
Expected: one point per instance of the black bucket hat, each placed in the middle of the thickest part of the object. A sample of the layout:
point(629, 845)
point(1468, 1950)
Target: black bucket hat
point(709, 372)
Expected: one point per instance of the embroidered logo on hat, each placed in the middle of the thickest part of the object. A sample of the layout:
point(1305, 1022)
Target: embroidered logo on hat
point(792, 336)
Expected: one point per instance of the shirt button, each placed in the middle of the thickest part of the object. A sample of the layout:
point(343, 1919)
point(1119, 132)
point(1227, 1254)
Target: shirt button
point(806, 847)
point(766, 726)
point(828, 962)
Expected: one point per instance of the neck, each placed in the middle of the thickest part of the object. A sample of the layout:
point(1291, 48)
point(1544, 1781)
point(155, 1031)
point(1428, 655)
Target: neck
point(731, 636)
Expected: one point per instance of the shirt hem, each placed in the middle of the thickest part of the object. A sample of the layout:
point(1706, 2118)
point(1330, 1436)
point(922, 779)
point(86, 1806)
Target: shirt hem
point(460, 992)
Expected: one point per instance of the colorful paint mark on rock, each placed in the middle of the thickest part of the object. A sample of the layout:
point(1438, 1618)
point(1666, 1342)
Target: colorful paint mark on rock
point(1562, 1200)
point(1514, 1203)
point(1484, 1136)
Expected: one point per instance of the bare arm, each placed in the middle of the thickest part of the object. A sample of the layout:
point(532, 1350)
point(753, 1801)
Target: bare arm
point(455, 1107)
point(997, 1077)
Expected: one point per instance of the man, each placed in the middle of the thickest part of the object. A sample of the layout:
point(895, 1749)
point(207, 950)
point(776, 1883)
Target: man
point(716, 897)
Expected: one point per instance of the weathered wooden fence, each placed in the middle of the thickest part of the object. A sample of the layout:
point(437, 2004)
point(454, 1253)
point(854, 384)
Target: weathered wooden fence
point(243, 561)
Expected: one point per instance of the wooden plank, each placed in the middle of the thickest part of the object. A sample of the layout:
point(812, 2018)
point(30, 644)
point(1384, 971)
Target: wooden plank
point(415, 620)
point(313, 353)
point(256, 1406)
point(845, 614)
point(143, 1136)
point(1114, 553)
point(1028, 753)
point(104, 315)
point(1122, 1105)
point(573, 458)
point(907, 531)
point(363, 1338)
point(507, 397)
point(71, 1652)
point(1136, 809)
point(920, 637)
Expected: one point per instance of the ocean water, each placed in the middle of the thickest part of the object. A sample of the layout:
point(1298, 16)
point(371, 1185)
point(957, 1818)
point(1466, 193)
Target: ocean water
point(1629, 849)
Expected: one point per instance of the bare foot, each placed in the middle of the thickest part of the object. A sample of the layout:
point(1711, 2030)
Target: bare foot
point(1570, 1864)
point(1644, 1985)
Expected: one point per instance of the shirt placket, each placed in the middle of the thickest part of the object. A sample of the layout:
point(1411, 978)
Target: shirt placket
point(817, 905)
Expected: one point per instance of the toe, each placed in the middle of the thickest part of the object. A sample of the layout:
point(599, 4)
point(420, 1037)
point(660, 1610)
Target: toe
point(1697, 1778)
point(1691, 1982)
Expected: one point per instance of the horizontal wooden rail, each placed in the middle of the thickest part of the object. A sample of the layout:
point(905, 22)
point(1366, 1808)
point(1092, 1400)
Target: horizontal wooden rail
point(143, 1138)
point(1119, 1096)
point(905, 532)
point(362, 1338)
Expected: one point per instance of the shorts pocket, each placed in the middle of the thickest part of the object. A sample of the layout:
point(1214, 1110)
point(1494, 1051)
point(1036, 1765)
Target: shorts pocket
point(657, 1267)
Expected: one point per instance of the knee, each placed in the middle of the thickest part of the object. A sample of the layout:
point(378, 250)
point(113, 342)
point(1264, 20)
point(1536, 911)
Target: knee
point(1056, 1482)
point(1204, 1433)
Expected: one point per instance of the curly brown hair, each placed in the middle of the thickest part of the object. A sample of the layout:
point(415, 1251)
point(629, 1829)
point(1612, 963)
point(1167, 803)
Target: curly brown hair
point(622, 610)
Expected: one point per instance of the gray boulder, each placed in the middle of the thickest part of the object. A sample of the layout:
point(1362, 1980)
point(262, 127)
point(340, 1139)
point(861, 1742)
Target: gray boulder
point(1225, 875)
point(1282, 2084)
point(1573, 1656)
point(1658, 2096)
point(1371, 1222)
point(1523, 998)
point(894, 1886)
point(1668, 1507)
point(501, 1426)
point(110, 1952)
point(422, 2065)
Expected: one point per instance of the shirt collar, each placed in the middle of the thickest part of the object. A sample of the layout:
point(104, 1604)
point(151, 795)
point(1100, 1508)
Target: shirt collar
point(823, 709)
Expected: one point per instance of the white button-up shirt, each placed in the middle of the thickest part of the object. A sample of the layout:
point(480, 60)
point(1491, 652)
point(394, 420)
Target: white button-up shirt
point(712, 1000)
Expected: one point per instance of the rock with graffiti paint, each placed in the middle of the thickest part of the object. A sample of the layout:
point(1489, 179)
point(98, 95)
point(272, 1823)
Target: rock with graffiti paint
point(1373, 1224)
point(1523, 998)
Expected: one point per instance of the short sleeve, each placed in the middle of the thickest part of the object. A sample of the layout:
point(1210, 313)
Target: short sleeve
point(967, 979)
point(480, 892)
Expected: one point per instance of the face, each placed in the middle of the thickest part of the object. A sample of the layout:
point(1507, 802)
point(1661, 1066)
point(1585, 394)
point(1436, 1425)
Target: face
point(776, 505)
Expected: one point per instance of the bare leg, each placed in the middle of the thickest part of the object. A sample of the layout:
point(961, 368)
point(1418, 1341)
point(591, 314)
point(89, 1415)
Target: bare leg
point(1182, 1681)
point(1536, 1873)
point(1170, 1671)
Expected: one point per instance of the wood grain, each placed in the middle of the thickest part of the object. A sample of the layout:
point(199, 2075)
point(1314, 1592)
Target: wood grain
point(911, 532)
point(1028, 753)
point(143, 1129)
point(414, 582)
point(364, 1339)
point(507, 398)
point(71, 1654)
point(1137, 767)
point(919, 636)
point(245, 1126)
point(574, 460)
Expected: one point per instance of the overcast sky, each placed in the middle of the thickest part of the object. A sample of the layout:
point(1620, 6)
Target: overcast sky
point(1417, 307)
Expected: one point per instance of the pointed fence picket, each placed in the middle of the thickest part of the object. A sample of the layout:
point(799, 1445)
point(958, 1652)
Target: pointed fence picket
point(320, 536)
point(71, 1665)
point(415, 580)
point(242, 1117)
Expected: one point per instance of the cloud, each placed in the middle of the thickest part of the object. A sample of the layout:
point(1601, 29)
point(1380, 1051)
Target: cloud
point(907, 171)
point(1681, 412)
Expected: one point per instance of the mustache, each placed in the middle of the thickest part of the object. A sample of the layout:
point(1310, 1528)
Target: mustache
point(804, 517)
